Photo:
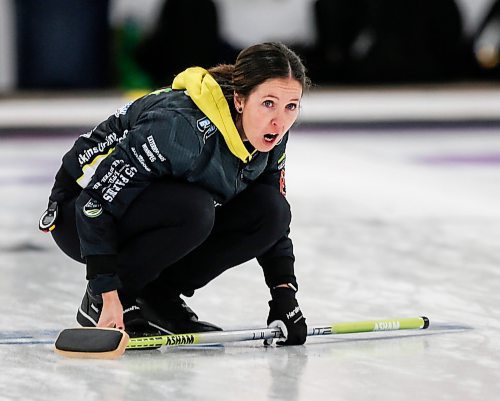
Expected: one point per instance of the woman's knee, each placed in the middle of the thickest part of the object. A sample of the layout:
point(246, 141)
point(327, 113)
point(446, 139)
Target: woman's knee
point(190, 207)
point(197, 212)
point(65, 234)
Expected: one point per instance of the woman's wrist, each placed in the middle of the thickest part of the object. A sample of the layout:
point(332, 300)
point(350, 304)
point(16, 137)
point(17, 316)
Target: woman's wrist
point(110, 296)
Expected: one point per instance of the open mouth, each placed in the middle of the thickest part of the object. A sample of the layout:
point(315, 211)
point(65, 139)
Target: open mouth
point(270, 137)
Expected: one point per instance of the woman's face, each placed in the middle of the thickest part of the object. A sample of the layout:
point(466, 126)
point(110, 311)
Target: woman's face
point(268, 112)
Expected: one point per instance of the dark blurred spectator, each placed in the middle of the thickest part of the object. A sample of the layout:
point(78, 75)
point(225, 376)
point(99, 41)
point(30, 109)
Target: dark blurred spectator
point(338, 24)
point(62, 44)
point(487, 43)
point(389, 40)
point(187, 34)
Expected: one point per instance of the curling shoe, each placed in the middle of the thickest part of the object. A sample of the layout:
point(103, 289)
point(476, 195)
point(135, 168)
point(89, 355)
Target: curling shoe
point(173, 316)
point(135, 324)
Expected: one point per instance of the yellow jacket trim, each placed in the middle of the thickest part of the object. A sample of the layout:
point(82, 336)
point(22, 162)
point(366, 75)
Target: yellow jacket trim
point(89, 169)
point(207, 95)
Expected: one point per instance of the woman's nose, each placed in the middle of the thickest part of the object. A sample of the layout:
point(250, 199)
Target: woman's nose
point(277, 121)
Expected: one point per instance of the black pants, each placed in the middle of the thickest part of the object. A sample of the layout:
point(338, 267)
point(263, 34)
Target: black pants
point(173, 240)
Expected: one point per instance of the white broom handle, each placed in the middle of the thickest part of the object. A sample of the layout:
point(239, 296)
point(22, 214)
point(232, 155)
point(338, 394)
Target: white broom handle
point(218, 337)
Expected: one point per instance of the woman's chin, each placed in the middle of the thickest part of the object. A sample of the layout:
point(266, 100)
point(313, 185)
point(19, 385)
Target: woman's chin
point(263, 145)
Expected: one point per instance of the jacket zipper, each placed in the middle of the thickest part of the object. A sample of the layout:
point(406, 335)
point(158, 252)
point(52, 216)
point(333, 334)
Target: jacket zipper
point(239, 176)
point(241, 166)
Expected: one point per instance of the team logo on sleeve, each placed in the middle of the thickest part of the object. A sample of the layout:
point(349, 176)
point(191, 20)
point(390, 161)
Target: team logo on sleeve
point(206, 127)
point(92, 209)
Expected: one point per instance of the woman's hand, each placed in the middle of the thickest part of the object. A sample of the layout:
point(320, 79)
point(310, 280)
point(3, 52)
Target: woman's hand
point(285, 313)
point(112, 311)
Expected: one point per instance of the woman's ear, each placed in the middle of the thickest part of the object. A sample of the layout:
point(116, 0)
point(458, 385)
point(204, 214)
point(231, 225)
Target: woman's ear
point(238, 102)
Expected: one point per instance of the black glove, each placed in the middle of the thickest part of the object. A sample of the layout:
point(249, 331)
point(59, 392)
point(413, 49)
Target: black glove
point(284, 312)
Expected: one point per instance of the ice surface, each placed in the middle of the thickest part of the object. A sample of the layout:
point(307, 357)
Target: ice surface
point(385, 224)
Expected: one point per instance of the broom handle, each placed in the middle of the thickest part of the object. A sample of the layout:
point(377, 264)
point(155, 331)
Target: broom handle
point(218, 337)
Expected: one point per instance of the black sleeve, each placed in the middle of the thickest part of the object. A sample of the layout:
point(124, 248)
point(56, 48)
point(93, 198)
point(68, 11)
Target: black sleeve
point(86, 152)
point(160, 144)
point(65, 187)
point(278, 262)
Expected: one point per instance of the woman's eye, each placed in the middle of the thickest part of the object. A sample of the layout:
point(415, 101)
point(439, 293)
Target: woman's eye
point(291, 106)
point(268, 103)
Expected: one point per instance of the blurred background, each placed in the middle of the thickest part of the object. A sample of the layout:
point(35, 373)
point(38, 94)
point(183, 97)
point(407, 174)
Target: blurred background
point(126, 44)
point(104, 49)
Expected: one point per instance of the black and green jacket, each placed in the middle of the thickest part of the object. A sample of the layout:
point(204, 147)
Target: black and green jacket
point(187, 133)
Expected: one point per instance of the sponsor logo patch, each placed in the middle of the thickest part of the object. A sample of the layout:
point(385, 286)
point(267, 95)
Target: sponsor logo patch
point(92, 209)
point(206, 127)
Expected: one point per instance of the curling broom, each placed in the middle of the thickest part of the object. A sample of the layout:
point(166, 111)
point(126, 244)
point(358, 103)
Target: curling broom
point(105, 343)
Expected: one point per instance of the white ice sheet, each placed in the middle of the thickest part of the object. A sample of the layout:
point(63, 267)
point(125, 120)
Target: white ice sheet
point(384, 225)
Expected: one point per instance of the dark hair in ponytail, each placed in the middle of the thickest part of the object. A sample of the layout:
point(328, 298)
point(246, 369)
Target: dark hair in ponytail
point(257, 64)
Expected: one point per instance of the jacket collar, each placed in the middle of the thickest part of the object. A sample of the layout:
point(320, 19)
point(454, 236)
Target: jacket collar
point(208, 97)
